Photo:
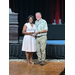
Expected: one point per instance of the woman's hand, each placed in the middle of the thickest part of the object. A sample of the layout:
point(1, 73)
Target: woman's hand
point(29, 33)
point(36, 32)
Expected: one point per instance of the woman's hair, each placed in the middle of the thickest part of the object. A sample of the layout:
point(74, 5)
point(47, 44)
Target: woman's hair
point(29, 18)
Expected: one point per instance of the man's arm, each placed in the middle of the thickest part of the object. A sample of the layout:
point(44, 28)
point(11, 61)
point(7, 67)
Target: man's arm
point(45, 29)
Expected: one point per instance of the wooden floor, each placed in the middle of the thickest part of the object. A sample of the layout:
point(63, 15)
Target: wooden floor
point(21, 68)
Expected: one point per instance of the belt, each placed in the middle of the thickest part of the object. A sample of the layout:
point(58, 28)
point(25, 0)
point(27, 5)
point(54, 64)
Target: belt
point(40, 36)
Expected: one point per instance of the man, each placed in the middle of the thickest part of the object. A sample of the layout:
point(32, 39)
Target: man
point(41, 38)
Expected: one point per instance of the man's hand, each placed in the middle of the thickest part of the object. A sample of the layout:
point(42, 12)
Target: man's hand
point(43, 31)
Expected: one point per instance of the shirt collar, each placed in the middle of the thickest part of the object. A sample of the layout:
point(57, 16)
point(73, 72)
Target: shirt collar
point(39, 20)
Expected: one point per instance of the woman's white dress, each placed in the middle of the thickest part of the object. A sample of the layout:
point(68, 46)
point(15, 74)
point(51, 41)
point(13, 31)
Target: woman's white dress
point(29, 43)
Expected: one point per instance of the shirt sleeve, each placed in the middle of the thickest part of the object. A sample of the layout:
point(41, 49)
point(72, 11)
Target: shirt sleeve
point(45, 25)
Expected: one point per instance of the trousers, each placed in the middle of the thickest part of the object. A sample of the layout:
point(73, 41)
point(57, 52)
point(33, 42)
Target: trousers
point(41, 47)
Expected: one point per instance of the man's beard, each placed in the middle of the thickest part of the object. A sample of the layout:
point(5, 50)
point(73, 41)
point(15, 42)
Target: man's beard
point(38, 19)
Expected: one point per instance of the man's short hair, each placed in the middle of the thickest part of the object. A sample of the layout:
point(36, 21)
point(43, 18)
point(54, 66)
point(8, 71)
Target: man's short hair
point(39, 13)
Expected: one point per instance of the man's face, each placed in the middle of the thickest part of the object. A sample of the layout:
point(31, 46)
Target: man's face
point(38, 16)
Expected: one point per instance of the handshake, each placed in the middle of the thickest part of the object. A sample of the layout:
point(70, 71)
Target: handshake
point(35, 33)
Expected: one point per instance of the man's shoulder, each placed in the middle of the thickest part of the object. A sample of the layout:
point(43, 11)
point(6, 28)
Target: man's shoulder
point(43, 20)
point(35, 21)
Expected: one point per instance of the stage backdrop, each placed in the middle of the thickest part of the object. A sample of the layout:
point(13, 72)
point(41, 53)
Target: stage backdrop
point(50, 9)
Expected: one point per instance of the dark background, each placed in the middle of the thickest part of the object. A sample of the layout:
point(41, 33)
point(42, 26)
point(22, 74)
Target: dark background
point(48, 9)
point(56, 32)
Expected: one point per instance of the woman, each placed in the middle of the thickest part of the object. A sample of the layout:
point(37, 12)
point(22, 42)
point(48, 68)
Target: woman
point(29, 45)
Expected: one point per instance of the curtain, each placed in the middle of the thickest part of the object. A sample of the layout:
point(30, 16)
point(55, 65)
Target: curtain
point(57, 14)
point(50, 10)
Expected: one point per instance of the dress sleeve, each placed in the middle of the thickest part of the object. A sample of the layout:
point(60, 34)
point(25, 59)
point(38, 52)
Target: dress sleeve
point(25, 24)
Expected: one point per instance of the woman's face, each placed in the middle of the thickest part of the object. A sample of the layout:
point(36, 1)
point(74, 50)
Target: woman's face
point(30, 20)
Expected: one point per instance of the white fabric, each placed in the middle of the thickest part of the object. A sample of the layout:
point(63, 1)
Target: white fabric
point(10, 11)
point(29, 43)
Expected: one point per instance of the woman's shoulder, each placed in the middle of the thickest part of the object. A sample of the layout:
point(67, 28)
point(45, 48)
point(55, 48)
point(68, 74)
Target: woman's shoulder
point(26, 24)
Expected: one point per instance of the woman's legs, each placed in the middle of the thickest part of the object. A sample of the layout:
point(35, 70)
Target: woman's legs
point(27, 56)
point(31, 56)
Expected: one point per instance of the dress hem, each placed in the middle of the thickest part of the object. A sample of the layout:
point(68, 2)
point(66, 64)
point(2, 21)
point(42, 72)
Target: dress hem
point(28, 51)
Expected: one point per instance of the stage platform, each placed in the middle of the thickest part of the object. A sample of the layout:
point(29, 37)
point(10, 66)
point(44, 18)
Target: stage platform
point(55, 49)
point(20, 67)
